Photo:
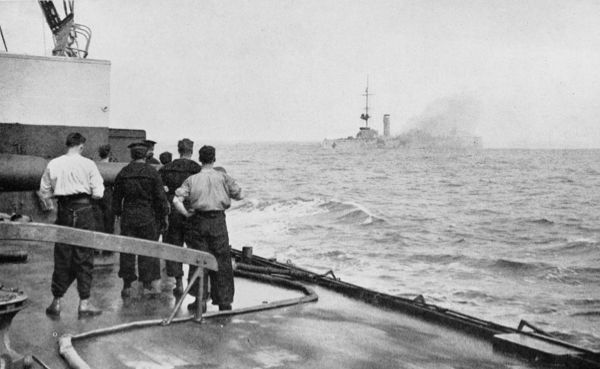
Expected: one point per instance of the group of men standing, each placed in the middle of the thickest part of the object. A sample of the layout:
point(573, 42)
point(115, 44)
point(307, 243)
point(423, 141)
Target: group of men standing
point(183, 201)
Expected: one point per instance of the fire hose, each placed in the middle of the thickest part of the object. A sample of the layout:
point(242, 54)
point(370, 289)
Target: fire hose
point(68, 352)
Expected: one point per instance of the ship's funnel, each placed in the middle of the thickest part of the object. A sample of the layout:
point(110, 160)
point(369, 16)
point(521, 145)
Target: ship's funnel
point(386, 125)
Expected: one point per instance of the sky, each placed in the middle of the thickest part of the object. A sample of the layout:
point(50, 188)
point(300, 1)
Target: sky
point(527, 71)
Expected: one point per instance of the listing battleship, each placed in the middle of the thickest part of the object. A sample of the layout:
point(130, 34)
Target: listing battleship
point(415, 138)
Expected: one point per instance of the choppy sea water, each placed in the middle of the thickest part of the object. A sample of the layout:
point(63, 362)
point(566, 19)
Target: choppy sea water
point(503, 235)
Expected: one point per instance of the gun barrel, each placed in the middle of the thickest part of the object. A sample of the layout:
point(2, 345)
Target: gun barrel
point(23, 172)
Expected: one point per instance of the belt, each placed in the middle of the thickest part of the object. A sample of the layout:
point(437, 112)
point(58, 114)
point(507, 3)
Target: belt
point(79, 198)
point(209, 213)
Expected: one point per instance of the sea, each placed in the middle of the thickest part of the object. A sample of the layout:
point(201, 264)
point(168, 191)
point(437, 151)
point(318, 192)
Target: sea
point(503, 235)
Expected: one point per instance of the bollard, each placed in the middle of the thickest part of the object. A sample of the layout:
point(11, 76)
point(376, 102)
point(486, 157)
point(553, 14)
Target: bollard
point(246, 254)
point(11, 302)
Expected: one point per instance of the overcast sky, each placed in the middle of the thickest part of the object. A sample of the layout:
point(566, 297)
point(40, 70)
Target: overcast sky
point(282, 70)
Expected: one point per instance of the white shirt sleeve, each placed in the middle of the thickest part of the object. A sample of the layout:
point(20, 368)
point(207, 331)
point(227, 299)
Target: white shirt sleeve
point(96, 182)
point(46, 190)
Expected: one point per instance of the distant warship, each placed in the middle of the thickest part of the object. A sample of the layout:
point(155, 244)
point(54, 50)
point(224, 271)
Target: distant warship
point(416, 138)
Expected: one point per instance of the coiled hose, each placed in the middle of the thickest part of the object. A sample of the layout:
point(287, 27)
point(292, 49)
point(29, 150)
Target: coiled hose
point(68, 352)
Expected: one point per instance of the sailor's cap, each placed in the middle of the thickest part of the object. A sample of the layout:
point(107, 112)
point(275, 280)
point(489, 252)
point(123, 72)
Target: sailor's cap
point(138, 145)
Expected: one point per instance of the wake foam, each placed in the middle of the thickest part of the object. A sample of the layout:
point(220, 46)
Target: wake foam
point(328, 210)
point(348, 212)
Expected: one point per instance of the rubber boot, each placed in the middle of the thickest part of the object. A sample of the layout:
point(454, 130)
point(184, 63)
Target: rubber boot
point(178, 290)
point(152, 288)
point(87, 309)
point(127, 291)
point(194, 305)
point(54, 308)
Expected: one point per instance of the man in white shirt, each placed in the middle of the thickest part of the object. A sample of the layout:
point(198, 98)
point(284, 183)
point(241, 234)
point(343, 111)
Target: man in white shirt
point(74, 181)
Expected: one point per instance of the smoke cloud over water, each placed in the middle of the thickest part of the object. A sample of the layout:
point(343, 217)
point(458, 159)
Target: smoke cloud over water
point(455, 115)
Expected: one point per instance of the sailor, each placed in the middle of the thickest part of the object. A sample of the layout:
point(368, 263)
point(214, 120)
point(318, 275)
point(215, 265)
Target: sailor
point(139, 199)
point(173, 174)
point(104, 153)
point(209, 194)
point(106, 217)
point(165, 158)
point(150, 159)
point(74, 181)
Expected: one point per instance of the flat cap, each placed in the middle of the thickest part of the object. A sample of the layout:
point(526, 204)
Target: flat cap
point(149, 143)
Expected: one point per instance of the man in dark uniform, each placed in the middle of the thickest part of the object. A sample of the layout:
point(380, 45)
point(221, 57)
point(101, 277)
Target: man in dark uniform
point(106, 217)
point(150, 159)
point(139, 199)
point(173, 174)
point(208, 194)
point(74, 181)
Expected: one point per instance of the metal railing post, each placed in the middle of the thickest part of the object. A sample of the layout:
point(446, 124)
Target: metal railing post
point(196, 276)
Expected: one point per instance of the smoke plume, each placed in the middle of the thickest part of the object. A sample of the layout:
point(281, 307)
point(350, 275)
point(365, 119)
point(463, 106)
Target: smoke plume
point(456, 115)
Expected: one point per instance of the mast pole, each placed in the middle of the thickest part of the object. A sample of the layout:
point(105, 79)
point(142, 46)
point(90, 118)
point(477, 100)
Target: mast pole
point(3, 40)
point(367, 104)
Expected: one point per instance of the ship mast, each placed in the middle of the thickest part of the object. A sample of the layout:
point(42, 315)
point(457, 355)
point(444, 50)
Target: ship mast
point(366, 116)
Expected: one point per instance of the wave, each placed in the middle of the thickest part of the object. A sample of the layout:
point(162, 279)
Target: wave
point(577, 246)
point(587, 313)
point(471, 296)
point(351, 213)
point(542, 221)
point(359, 216)
point(586, 243)
point(451, 184)
point(443, 259)
point(577, 337)
point(561, 179)
point(343, 212)
point(482, 212)
point(335, 256)
point(583, 302)
point(516, 266)
point(570, 275)
point(299, 206)
point(587, 229)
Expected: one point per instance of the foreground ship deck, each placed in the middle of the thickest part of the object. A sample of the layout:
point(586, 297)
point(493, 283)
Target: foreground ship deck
point(336, 331)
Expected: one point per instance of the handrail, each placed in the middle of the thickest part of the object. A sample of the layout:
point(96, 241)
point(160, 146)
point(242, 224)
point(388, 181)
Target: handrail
point(39, 232)
point(12, 231)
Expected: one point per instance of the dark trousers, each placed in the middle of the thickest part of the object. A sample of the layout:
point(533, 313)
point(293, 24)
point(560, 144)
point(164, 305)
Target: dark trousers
point(105, 215)
point(73, 262)
point(148, 267)
point(175, 236)
point(208, 232)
